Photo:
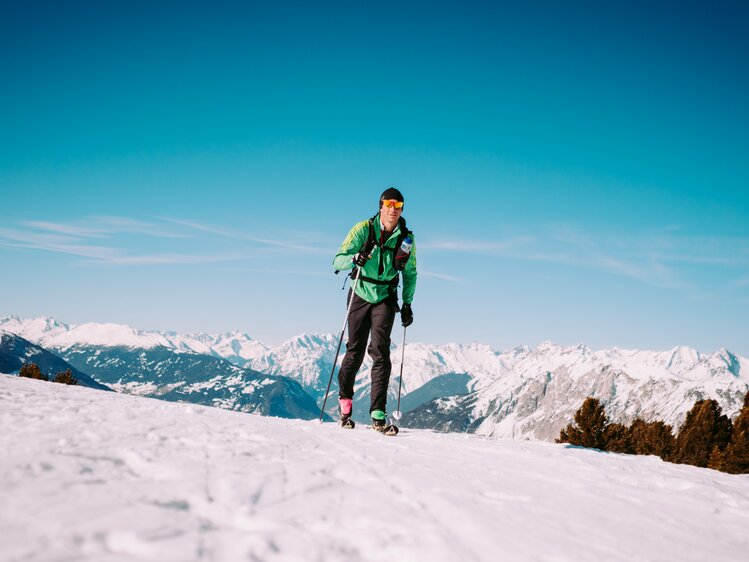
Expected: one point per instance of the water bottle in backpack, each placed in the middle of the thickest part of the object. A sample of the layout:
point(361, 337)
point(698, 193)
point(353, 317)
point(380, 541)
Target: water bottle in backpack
point(403, 253)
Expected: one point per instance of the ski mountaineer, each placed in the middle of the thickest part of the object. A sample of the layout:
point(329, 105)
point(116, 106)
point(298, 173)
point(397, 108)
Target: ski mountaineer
point(381, 248)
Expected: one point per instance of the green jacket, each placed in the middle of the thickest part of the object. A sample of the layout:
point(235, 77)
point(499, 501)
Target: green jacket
point(371, 292)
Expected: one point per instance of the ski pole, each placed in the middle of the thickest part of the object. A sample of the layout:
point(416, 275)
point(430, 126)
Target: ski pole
point(340, 340)
point(397, 414)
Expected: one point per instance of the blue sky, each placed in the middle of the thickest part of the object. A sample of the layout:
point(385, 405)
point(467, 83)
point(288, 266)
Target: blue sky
point(572, 171)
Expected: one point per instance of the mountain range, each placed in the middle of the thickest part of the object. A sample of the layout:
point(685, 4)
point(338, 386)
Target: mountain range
point(15, 351)
point(520, 392)
point(157, 371)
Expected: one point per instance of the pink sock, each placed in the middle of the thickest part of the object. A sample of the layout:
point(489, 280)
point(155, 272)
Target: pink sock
point(345, 406)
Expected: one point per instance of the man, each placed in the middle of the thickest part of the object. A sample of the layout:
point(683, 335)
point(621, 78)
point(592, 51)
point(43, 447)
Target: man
point(380, 249)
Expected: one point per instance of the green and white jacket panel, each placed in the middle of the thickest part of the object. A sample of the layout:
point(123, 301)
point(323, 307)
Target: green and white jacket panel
point(371, 292)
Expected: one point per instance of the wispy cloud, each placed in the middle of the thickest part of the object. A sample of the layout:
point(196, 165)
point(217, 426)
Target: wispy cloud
point(660, 258)
point(286, 244)
point(203, 228)
point(479, 246)
point(165, 259)
point(281, 271)
point(121, 241)
point(442, 276)
point(97, 254)
point(665, 257)
point(65, 244)
point(69, 229)
point(128, 225)
point(104, 226)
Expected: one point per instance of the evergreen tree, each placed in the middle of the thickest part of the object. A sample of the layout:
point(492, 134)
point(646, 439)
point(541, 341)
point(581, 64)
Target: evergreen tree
point(737, 453)
point(617, 438)
point(705, 428)
point(717, 459)
point(66, 377)
point(651, 438)
point(32, 371)
point(587, 431)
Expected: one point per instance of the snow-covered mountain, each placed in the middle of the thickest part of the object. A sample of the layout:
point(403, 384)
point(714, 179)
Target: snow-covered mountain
point(540, 389)
point(520, 392)
point(235, 346)
point(163, 366)
point(98, 476)
point(15, 351)
point(523, 392)
point(162, 372)
point(306, 358)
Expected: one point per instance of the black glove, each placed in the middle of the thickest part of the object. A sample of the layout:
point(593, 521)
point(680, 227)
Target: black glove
point(360, 259)
point(407, 315)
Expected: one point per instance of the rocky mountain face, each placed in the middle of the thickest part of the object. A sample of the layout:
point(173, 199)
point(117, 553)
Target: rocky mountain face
point(162, 372)
point(541, 390)
point(165, 366)
point(523, 392)
point(15, 351)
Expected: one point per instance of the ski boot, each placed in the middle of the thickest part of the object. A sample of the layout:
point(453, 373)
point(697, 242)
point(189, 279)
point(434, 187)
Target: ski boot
point(346, 406)
point(379, 423)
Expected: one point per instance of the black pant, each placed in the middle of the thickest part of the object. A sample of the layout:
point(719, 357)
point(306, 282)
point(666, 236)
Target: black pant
point(363, 318)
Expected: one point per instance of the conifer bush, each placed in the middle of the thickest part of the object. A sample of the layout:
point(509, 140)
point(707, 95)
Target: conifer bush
point(736, 459)
point(588, 429)
point(66, 377)
point(651, 438)
point(32, 371)
point(707, 438)
point(717, 460)
point(616, 438)
point(705, 429)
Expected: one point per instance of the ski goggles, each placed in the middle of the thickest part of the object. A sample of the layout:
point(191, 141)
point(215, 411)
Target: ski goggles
point(392, 203)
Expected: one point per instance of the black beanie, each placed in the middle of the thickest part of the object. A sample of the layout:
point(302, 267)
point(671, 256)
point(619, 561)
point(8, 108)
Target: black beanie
point(390, 193)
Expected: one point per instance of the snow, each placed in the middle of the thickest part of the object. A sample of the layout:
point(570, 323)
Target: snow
point(89, 475)
point(48, 332)
point(308, 358)
point(521, 392)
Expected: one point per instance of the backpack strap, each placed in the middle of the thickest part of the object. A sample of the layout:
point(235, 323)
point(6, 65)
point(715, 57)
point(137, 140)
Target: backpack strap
point(404, 232)
point(391, 283)
point(373, 240)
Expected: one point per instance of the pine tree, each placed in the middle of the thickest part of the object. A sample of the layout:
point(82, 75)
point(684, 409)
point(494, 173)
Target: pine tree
point(32, 371)
point(587, 431)
point(737, 453)
point(717, 459)
point(616, 437)
point(651, 438)
point(705, 428)
point(66, 377)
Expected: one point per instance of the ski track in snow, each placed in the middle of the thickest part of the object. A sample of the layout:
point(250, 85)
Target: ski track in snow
point(89, 475)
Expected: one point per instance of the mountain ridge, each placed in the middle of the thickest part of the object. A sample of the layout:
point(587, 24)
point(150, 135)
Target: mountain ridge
point(519, 392)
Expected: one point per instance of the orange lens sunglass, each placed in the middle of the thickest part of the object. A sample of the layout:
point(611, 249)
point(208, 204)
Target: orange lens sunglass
point(392, 203)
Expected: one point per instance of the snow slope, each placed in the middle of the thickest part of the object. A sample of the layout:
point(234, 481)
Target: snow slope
point(89, 475)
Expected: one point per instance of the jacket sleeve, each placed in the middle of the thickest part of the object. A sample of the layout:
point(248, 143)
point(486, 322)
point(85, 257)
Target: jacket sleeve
point(353, 242)
point(409, 277)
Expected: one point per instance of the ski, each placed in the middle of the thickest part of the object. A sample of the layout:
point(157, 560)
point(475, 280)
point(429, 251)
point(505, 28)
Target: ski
point(391, 430)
